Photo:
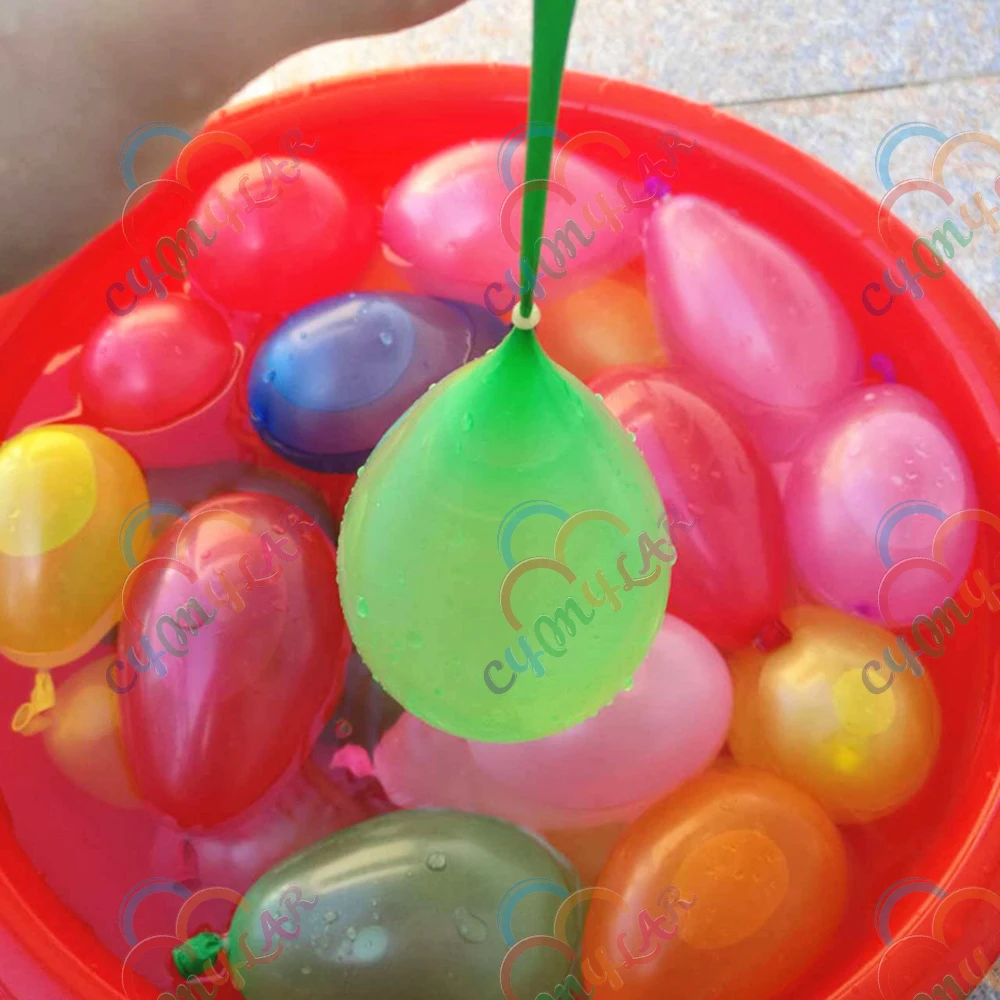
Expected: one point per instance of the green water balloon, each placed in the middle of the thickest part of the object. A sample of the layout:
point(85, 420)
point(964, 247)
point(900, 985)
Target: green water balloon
point(504, 561)
point(415, 904)
point(509, 453)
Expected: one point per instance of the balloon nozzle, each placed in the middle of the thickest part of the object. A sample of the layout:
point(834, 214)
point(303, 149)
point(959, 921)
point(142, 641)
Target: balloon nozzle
point(198, 954)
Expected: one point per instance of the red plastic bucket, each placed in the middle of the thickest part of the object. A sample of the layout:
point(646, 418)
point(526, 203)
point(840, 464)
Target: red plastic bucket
point(372, 129)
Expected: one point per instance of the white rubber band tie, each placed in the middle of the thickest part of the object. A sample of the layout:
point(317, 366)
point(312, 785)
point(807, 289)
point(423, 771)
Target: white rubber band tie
point(528, 322)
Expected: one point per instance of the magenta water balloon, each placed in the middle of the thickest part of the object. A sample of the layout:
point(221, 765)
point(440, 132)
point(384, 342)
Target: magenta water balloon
point(725, 513)
point(158, 364)
point(882, 447)
point(664, 729)
point(232, 654)
point(290, 241)
point(452, 225)
point(740, 307)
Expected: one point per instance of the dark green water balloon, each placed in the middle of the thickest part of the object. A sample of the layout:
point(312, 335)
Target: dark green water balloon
point(406, 909)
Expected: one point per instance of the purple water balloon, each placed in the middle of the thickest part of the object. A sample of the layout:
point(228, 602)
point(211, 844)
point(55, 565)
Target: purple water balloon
point(882, 446)
point(745, 311)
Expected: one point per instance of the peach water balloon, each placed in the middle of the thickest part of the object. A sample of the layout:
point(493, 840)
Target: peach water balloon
point(65, 491)
point(603, 325)
point(440, 222)
point(882, 446)
point(665, 728)
point(732, 564)
point(804, 711)
point(732, 303)
point(83, 736)
point(750, 875)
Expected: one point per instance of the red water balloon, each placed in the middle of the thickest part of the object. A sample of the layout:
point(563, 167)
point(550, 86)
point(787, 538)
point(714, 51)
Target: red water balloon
point(163, 361)
point(232, 654)
point(725, 513)
point(295, 235)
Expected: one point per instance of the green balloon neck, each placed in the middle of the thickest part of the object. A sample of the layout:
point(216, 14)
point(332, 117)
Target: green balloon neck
point(198, 953)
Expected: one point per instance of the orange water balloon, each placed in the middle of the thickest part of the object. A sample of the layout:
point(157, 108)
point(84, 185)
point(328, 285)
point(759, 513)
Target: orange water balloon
point(735, 883)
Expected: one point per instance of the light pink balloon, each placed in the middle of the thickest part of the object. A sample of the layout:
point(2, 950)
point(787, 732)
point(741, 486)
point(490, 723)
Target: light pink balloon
point(665, 729)
point(423, 768)
point(881, 446)
point(442, 224)
point(741, 308)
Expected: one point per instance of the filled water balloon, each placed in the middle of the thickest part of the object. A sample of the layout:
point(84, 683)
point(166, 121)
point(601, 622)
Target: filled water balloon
point(732, 302)
point(333, 378)
point(732, 563)
point(870, 489)
point(507, 453)
point(295, 235)
point(65, 491)
point(803, 711)
point(402, 905)
point(665, 728)
point(751, 876)
point(233, 630)
point(440, 224)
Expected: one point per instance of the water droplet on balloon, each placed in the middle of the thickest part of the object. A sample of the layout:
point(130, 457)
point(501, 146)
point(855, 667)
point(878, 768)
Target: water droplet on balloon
point(331, 916)
point(436, 861)
point(386, 337)
point(467, 422)
point(362, 608)
point(352, 933)
point(270, 375)
point(470, 927)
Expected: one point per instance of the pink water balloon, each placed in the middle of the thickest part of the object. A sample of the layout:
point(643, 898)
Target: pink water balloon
point(452, 225)
point(881, 447)
point(412, 759)
point(664, 729)
point(740, 307)
point(725, 514)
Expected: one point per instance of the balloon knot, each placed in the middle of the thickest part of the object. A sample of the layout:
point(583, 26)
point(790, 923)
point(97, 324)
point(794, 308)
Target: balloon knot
point(772, 636)
point(27, 719)
point(197, 954)
point(528, 322)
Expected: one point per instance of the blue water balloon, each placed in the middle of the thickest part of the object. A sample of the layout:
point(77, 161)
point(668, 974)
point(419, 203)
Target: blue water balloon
point(335, 376)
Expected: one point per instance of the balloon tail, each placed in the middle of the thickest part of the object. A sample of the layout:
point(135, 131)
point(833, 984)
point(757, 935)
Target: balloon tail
point(27, 719)
point(548, 59)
